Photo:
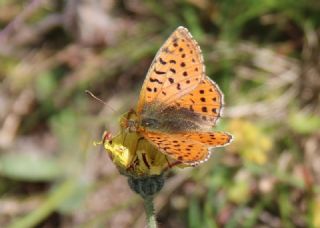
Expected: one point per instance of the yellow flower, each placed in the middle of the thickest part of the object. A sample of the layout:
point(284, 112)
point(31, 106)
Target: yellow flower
point(137, 159)
point(250, 141)
point(135, 156)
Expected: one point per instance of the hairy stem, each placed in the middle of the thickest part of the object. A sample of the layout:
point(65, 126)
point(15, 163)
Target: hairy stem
point(149, 207)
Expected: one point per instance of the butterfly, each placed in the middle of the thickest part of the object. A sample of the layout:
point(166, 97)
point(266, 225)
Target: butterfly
point(178, 104)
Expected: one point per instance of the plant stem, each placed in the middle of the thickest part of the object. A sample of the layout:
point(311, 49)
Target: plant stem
point(63, 192)
point(149, 207)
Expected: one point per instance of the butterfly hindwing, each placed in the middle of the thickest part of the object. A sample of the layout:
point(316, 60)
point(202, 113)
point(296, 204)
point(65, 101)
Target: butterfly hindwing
point(213, 139)
point(205, 101)
point(191, 148)
point(196, 111)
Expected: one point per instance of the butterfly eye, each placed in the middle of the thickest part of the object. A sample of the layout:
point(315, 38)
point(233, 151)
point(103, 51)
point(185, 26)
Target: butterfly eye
point(132, 125)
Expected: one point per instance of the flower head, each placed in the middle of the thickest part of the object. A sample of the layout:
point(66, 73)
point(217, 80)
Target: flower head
point(135, 156)
point(137, 159)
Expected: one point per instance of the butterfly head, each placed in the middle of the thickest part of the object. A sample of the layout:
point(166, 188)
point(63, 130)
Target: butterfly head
point(129, 121)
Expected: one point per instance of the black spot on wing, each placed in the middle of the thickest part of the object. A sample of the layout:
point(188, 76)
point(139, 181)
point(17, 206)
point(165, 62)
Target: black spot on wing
point(156, 80)
point(173, 70)
point(162, 61)
point(158, 72)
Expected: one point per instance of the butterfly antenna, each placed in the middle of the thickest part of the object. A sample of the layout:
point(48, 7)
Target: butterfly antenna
point(98, 99)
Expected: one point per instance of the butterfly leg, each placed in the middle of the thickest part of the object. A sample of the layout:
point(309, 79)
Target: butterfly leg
point(170, 165)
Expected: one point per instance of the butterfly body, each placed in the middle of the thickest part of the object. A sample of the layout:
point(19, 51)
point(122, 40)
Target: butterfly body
point(169, 119)
point(178, 103)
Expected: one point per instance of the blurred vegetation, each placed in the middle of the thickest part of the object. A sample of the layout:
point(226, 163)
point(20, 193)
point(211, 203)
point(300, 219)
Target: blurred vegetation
point(263, 54)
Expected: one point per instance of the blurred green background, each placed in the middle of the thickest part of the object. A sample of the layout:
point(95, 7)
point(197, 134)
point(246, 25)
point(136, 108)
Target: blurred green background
point(263, 54)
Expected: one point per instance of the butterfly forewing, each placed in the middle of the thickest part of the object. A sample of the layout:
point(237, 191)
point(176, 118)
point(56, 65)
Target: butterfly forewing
point(175, 71)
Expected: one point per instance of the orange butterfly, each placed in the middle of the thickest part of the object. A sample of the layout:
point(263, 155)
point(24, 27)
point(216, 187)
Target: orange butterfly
point(178, 103)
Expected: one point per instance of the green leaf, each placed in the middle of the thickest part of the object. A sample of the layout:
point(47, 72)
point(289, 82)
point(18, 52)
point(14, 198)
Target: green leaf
point(304, 123)
point(45, 86)
point(194, 214)
point(29, 167)
point(75, 200)
point(55, 198)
